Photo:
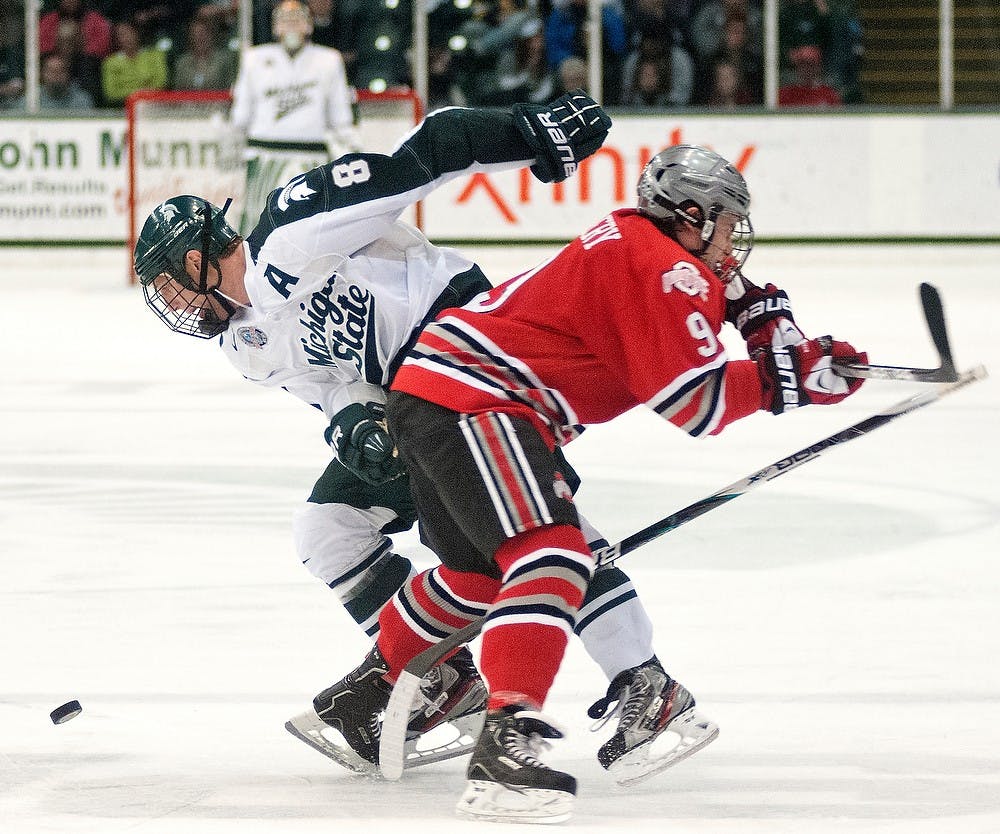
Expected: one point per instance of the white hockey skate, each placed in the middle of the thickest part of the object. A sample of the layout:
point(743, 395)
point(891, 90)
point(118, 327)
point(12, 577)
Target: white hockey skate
point(345, 721)
point(658, 727)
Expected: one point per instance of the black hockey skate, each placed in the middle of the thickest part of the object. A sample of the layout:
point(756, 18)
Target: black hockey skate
point(452, 694)
point(507, 782)
point(346, 719)
point(650, 704)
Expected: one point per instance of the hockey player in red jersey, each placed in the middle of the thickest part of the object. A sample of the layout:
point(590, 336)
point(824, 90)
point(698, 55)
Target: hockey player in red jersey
point(629, 313)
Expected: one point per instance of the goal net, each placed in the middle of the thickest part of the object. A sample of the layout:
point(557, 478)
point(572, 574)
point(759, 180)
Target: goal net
point(182, 143)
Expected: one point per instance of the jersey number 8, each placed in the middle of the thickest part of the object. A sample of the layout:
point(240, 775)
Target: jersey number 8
point(350, 173)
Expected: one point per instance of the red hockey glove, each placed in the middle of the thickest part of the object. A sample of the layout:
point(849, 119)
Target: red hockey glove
point(763, 316)
point(800, 375)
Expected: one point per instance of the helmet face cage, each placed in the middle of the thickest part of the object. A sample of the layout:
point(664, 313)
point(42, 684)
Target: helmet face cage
point(742, 240)
point(184, 311)
point(291, 16)
point(176, 226)
point(686, 176)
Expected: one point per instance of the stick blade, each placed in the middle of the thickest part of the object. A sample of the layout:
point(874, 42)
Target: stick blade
point(930, 301)
point(391, 755)
point(933, 309)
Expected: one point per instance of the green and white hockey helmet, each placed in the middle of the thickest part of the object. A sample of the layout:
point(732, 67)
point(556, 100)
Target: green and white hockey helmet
point(685, 177)
point(173, 228)
point(186, 304)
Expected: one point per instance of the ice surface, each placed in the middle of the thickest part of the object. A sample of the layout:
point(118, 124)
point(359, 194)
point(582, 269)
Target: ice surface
point(840, 624)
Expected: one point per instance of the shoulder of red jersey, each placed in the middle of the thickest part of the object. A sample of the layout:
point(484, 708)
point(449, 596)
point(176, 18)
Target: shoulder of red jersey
point(652, 253)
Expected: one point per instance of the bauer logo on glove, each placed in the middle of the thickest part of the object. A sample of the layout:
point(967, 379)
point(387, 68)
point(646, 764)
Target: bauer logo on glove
point(562, 133)
point(796, 375)
point(560, 143)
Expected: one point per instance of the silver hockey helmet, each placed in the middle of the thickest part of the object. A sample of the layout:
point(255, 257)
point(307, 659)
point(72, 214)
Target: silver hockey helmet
point(695, 185)
point(185, 304)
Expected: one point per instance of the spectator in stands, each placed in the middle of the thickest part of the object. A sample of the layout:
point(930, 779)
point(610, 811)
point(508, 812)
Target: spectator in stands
point(204, 65)
point(133, 67)
point(566, 35)
point(572, 74)
point(58, 90)
point(84, 69)
point(523, 74)
point(221, 15)
point(707, 30)
point(494, 37)
point(808, 88)
point(802, 23)
point(94, 28)
point(11, 57)
point(734, 47)
point(679, 69)
point(847, 50)
point(327, 28)
point(656, 19)
point(729, 88)
point(157, 22)
point(651, 88)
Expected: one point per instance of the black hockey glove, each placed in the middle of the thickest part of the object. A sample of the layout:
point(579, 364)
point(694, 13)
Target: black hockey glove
point(361, 443)
point(763, 316)
point(562, 133)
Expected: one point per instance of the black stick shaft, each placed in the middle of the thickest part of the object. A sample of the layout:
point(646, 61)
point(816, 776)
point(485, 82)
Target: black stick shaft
point(780, 467)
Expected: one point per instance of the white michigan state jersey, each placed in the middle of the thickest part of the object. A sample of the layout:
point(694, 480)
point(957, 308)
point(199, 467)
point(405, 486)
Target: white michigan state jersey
point(337, 283)
point(282, 98)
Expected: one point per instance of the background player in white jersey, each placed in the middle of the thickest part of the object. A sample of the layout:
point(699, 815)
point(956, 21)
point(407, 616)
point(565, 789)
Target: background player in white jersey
point(627, 314)
point(294, 104)
point(322, 299)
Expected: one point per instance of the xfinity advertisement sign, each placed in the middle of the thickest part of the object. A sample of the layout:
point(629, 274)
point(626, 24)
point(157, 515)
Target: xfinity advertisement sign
point(67, 179)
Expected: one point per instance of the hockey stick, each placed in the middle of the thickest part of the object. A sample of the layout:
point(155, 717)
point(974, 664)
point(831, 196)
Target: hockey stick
point(397, 712)
point(930, 301)
point(610, 554)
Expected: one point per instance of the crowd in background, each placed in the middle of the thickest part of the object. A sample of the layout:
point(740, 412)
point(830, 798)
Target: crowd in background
point(656, 53)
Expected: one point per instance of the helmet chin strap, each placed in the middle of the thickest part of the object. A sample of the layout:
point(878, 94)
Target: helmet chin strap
point(229, 304)
point(206, 242)
point(705, 229)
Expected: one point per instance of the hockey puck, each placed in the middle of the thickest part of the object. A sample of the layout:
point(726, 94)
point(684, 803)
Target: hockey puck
point(68, 711)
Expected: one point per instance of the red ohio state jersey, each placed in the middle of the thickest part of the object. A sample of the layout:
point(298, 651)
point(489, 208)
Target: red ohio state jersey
point(622, 316)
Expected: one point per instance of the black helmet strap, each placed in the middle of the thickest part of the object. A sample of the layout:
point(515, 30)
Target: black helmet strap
point(206, 242)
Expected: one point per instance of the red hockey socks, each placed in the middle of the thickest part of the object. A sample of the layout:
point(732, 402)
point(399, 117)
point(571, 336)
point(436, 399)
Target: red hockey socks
point(545, 575)
point(427, 609)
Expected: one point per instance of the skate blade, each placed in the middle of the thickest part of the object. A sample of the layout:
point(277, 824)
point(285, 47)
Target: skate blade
point(447, 740)
point(311, 729)
point(693, 732)
point(494, 802)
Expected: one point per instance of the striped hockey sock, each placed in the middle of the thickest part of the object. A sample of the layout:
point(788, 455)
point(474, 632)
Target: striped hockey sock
point(545, 575)
point(428, 608)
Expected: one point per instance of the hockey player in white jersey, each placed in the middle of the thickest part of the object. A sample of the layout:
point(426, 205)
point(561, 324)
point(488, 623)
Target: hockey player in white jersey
point(293, 103)
point(322, 299)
